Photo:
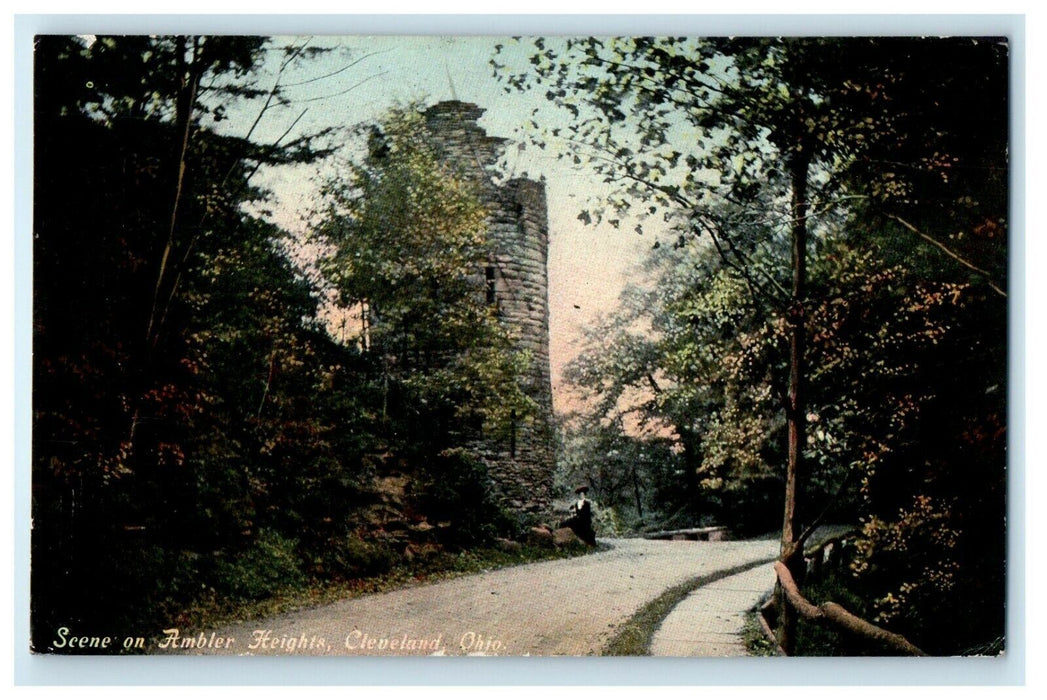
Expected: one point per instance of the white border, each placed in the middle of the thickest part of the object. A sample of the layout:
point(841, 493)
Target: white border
point(46, 670)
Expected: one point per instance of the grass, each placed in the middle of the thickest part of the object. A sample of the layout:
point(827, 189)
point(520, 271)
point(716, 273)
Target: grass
point(215, 611)
point(756, 642)
point(634, 636)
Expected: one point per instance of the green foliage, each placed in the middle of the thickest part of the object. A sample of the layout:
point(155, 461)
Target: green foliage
point(269, 564)
point(409, 241)
point(635, 481)
point(145, 271)
point(606, 521)
point(686, 362)
point(894, 439)
point(198, 432)
point(353, 558)
point(813, 639)
point(756, 643)
point(458, 490)
point(928, 451)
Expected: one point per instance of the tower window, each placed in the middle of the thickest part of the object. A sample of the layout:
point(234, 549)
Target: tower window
point(490, 285)
point(512, 434)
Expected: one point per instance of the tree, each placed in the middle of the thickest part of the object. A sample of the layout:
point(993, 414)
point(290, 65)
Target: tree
point(761, 118)
point(721, 134)
point(896, 446)
point(655, 364)
point(158, 301)
point(408, 248)
point(636, 475)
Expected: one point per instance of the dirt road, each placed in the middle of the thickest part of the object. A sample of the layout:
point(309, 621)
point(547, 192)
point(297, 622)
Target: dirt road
point(562, 607)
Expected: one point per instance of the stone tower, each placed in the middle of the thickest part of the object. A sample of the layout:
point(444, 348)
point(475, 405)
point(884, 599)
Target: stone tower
point(516, 281)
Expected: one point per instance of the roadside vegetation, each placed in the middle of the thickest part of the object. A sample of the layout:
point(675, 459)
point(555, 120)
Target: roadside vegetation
point(206, 434)
point(756, 642)
point(633, 637)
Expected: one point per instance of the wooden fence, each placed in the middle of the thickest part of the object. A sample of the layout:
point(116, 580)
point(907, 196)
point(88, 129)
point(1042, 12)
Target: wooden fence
point(831, 615)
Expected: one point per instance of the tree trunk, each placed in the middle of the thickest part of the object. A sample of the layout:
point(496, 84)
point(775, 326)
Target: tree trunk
point(692, 461)
point(189, 76)
point(796, 409)
point(636, 493)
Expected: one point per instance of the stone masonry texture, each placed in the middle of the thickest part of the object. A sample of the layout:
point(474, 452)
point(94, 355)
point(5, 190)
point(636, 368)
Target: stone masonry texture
point(521, 466)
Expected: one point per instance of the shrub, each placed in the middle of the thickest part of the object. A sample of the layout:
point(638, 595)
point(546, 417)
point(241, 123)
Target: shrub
point(458, 490)
point(268, 565)
point(606, 521)
point(353, 557)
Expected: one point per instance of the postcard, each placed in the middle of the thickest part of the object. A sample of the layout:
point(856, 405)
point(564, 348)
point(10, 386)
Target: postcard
point(689, 346)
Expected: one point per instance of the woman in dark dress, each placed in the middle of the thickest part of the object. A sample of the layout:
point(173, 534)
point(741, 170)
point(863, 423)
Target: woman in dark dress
point(581, 520)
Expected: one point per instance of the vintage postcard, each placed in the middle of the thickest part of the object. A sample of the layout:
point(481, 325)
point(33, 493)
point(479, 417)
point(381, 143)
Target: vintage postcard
point(520, 346)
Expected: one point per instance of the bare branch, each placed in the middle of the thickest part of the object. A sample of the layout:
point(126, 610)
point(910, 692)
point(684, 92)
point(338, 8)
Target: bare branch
point(185, 114)
point(950, 253)
point(336, 72)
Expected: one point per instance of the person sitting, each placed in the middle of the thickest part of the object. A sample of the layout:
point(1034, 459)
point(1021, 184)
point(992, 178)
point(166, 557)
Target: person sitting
point(581, 520)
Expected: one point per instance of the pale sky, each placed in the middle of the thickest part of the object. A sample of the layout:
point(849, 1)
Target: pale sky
point(588, 264)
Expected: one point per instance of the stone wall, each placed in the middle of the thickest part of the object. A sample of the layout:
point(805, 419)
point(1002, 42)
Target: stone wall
point(516, 279)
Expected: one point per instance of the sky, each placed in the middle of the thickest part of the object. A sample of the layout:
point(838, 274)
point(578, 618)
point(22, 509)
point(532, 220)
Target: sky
point(361, 78)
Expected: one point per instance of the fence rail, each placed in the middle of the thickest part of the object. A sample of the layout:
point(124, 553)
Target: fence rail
point(833, 615)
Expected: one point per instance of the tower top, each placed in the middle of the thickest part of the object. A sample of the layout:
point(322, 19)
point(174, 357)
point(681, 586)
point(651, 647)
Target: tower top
point(461, 139)
point(465, 111)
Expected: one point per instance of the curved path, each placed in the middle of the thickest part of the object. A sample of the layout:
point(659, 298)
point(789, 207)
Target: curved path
point(561, 607)
point(711, 620)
